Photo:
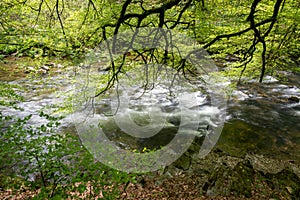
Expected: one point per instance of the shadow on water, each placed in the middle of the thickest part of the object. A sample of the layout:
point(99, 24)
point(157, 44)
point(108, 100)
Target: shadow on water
point(240, 138)
point(264, 120)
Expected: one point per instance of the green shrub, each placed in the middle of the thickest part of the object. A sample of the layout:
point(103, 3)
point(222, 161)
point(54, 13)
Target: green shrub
point(40, 157)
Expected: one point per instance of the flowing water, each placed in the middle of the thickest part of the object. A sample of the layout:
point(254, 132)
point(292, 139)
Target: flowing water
point(261, 118)
point(264, 119)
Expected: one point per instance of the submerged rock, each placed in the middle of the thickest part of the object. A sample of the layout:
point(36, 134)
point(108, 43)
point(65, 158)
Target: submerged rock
point(293, 99)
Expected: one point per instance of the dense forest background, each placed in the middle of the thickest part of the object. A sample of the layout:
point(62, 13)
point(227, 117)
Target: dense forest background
point(246, 39)
point(260, 36)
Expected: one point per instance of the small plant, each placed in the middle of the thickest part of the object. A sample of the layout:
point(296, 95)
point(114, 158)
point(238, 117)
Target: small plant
point(57, 165)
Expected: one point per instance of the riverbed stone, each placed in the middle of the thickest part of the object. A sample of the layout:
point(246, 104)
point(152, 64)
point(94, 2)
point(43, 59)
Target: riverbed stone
point(45, 67)
point(239, 138)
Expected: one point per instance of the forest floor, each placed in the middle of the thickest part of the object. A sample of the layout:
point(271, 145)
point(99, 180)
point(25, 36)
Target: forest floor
point(216, 177)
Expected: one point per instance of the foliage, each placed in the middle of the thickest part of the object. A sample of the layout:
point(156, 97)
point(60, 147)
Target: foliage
point(249, 38)
point(51, 27)
point(53, 162)
point(8, 96)
point(68, 28)
point(237, 52)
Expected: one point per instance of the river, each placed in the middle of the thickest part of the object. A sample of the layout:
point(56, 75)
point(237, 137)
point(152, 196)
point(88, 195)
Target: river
point(260, 118)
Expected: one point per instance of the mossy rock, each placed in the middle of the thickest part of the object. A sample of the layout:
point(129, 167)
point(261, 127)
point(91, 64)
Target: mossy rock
point(286, 182)
point(183, 162)
point(226, 181)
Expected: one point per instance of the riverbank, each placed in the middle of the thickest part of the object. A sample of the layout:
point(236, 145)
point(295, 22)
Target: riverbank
point(221, 176)
point(217, 176)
